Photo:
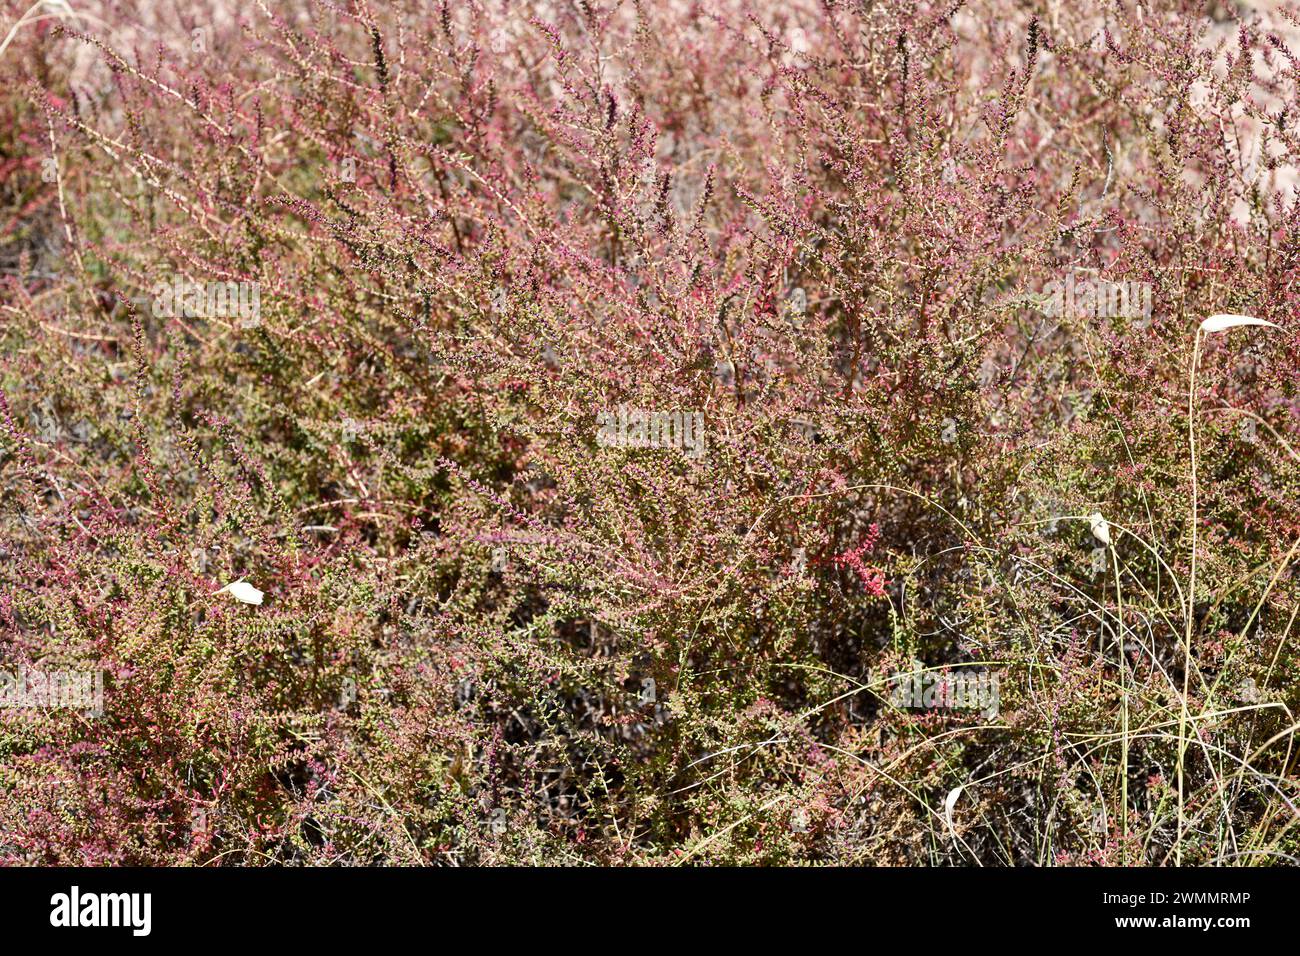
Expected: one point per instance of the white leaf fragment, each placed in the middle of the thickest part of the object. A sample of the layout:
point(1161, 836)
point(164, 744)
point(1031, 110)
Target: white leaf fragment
point(949, 802)
point(1218, 323)
point(243, 591)
point(1100, 529)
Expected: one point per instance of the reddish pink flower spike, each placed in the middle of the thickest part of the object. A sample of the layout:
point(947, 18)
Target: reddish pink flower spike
point(872, 578)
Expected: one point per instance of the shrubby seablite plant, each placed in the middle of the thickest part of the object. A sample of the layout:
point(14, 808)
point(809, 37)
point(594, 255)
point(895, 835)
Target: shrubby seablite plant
point(364, 581)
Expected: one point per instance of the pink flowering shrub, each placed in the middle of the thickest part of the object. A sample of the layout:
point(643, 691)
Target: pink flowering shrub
point(438, 248)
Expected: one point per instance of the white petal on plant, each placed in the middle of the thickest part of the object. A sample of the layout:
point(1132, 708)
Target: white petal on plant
point(1100, 529)
point(949, 802)
point(1217, 323)
point(244, 592)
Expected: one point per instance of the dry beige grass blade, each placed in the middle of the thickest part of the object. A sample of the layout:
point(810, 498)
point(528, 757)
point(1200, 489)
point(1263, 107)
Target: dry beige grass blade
point(59, 8)
point(1215, 323)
